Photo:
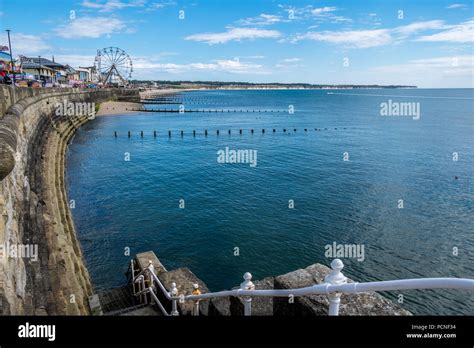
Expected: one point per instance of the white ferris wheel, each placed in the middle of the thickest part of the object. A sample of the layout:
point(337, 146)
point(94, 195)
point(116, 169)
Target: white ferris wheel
point(113, 66)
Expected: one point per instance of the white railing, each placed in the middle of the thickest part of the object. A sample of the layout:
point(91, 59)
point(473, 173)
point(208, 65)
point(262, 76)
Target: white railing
point(335, 284)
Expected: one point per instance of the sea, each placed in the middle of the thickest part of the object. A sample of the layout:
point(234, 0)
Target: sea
point(385, 172)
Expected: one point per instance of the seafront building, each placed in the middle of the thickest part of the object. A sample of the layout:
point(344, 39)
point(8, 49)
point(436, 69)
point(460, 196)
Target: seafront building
point(38, 71)
point(48, 71)
point(43, 72)
point(86, 74)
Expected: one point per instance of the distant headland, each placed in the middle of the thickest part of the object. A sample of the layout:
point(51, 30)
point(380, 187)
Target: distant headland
point(249, 85)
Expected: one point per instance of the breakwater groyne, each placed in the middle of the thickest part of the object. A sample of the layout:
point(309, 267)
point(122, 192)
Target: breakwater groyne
point(41, 266)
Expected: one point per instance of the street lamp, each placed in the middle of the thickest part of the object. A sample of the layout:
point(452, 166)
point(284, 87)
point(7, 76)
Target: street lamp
point(39, 71)
point(11, 57)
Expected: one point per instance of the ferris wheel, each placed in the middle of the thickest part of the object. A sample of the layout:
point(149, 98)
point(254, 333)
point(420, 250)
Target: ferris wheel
point(113, 66)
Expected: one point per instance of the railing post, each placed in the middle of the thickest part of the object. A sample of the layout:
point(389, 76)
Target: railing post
point(141, 287)
point(247, 285)
point(151, 268)
point(196, 292)
point(174, 301)
point(335, 277)
point(151, 281)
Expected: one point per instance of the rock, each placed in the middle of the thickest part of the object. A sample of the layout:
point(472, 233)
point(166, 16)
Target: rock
point(367, 303)
point(219, 306)
point(261, 306)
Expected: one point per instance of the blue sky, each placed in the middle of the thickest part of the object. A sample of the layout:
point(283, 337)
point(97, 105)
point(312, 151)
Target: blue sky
point(425, 43)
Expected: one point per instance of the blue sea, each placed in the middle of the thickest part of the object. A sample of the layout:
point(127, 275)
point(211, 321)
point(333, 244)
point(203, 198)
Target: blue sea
point(404, 192)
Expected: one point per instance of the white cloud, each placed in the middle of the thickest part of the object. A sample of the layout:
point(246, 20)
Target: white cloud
point(326, 9)
point(263, 19)
point(419, 26)
point(253, 57)
point(289, 63)
point(75, 60)
point(320, 14)
point(461, 61)
point(222, 65)
point(112, 5)
point(339, 19)
point(454, 6)
point(352, 38)
point(291, 60)
point(27, 44)
point(90, 27)
point(158, 5)
point(461, 64)
point(234, 34)
point(454, 71)
point(463, 32)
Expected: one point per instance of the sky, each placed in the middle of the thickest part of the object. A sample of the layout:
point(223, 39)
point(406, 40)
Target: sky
point(408, 42)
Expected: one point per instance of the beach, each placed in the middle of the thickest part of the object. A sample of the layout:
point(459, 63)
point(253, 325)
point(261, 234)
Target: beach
point(116, 108)
point(111, 108)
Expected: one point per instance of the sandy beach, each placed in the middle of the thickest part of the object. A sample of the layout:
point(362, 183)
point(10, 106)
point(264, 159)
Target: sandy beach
point(115, 108)
point(160, 92)
point(118, 108)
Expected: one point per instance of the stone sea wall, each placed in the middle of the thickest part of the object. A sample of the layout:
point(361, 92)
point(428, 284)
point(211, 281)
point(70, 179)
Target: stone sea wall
point(34, 212)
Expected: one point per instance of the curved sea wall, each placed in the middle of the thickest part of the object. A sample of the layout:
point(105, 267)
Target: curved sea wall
point(41, 265)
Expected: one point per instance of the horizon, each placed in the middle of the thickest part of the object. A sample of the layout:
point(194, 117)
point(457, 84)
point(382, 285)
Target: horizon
point(313, 42)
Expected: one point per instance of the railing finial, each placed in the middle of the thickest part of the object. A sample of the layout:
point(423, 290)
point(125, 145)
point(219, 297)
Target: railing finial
point(196, 292)
point(247, 276)
point(337, 264)
point(247, 285)
point(149, 279)
point(174, 289)
point(335, 277)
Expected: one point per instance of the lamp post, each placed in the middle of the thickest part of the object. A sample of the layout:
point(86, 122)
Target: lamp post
point(39, 70)
point(11, 57)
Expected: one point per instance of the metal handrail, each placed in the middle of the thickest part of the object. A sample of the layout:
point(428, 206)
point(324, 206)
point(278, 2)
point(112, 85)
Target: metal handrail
point(157, 301)
point(349, 288)
point(335, 284)
point(150, 271)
